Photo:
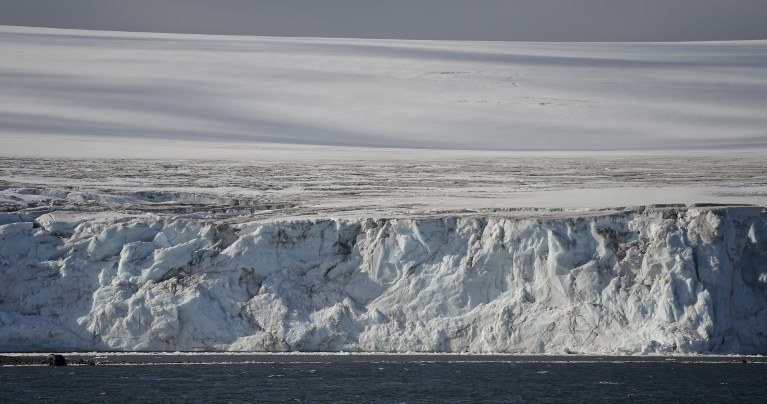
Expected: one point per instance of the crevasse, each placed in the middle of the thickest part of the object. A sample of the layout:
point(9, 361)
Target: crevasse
point(644, 280)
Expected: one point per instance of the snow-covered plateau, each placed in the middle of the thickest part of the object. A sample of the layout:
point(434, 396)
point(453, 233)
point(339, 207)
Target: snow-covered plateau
point(148, 255)
point(117, 94)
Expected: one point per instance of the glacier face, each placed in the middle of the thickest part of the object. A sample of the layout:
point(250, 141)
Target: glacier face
point(644, 280)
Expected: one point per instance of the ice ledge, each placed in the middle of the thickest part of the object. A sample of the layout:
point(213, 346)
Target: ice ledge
point(657, 279)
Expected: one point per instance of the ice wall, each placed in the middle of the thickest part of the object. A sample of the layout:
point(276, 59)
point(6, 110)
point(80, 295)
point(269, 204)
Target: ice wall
point(647, 280)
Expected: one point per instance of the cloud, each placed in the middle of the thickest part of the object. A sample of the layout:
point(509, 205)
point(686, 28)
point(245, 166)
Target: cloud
point(516, 20)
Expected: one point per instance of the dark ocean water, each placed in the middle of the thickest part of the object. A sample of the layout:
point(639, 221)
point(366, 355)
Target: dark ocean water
point(390, 381)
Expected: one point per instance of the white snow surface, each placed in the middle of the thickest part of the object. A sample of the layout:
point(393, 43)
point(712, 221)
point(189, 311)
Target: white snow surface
point(430, 185)
point(643, 280)
point(69, 93)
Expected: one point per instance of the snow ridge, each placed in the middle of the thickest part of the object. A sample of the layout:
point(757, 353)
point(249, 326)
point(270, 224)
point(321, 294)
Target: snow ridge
point(645, 280)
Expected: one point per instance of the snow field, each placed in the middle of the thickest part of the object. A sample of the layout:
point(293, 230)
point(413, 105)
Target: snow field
point(69, 93)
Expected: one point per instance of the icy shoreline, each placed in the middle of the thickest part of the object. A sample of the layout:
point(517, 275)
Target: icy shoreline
point(653, 280)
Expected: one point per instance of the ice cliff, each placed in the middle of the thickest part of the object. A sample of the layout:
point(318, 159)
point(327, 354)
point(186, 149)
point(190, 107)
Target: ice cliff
point(644, 280)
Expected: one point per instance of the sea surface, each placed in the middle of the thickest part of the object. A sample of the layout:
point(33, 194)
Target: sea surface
point(420, 379)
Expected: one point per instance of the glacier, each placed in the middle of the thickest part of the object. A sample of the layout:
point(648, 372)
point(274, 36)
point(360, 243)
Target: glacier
point(639, 280)
point(307, 194)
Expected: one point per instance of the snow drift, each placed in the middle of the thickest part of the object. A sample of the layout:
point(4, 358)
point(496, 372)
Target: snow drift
point(645, 280)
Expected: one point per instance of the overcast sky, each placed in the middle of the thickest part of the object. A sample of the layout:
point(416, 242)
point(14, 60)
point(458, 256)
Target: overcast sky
point(529, 20)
